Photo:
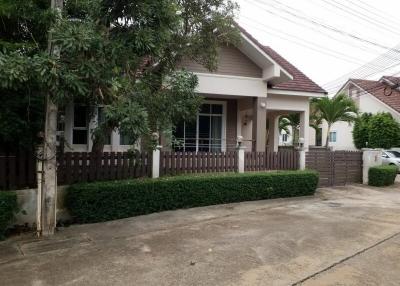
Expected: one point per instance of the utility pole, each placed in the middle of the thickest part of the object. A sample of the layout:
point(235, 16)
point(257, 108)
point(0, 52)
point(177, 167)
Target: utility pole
point(47, 206)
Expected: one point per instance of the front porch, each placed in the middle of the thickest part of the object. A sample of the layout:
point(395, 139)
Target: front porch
point(254, 120)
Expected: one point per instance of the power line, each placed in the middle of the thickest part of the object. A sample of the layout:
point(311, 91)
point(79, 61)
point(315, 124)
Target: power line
point(365, 70)
point(319, 24)
point(376, 9)
point(302, 42)
point(361, 15)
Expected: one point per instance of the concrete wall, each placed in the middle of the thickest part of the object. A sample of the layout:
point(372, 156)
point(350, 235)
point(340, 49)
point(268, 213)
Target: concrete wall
point(27, 205)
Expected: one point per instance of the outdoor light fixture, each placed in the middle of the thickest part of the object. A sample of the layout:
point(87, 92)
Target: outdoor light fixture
point(239, 140)
point(301, 142)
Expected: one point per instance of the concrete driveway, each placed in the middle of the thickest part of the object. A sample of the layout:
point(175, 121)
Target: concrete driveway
point(342, 236)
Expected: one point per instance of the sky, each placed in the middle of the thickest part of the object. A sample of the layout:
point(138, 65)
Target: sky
point(328, 39)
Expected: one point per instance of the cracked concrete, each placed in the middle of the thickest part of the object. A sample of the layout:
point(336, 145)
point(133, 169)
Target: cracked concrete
point(342, 236)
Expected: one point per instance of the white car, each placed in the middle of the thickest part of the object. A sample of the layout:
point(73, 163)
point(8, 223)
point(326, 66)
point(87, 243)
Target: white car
point(391, 157)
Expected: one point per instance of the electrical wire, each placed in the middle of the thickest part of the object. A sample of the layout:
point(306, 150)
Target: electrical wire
point(318, 23)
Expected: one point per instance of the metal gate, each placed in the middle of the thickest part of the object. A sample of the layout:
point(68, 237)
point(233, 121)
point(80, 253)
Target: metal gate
point(336, 168)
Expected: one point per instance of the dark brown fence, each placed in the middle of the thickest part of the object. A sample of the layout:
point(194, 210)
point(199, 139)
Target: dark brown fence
point(174, 163)
point(336, 168)
point(281, 160)
point(76, 167)
point(17, 170)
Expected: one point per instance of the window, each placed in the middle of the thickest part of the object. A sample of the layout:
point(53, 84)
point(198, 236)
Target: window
point(80, 127)
point(204, 134)
point(101, 117)
point(332, 136)
point(284, 138)
point(124, 139)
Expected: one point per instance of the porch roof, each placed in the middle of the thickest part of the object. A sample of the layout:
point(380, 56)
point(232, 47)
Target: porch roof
point(299, 82)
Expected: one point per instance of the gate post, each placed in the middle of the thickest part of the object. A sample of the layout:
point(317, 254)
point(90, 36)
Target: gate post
point(240, 155)
point(371, 158)
point(302, 159)
point(155, 173)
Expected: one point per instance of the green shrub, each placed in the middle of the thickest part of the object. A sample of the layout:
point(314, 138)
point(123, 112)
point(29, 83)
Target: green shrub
point(102, 201)
point(382, 176)
point(8, 206)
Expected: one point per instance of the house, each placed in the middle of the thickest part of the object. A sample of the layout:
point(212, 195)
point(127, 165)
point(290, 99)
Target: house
point(371, 96)
point(252, 85)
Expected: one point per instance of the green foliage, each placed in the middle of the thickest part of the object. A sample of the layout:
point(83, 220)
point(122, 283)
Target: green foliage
point(339, 108)
point(382, 175)
point(361, 131)
point(383, 131)
point(104, 201)
point(291, 120)
point(122, 54)
point(8, 207)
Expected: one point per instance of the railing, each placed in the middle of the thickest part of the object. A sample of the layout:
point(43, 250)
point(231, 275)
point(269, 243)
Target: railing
point(262, 161)
point(174, 163)
point(17, 170)
point(76, 167)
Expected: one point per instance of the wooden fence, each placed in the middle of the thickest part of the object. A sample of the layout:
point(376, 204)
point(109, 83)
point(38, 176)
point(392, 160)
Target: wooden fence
point(174, 163)
point(335, 168)
point(76, 167)
point(17, 171)
point(281, 160)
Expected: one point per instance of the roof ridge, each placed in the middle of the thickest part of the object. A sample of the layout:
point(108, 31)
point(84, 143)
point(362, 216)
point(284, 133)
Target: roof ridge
point(300, 81)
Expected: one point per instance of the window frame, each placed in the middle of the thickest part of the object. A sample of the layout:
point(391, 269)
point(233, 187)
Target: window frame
point(223, 123)
point(80, 128)
point(330, 136)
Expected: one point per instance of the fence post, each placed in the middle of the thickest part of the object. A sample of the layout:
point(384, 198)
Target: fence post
point(156, 162)
point(302, 159)
point(371, 158)
point(240, 159)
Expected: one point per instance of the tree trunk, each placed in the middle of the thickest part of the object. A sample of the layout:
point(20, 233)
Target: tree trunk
point(48, 206)
point(327, 136)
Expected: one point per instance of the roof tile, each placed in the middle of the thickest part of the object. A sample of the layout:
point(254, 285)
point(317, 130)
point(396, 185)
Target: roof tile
point(377, 89)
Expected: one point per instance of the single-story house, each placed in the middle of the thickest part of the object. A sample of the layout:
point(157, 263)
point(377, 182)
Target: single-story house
point(252, 86)
point(371, 96)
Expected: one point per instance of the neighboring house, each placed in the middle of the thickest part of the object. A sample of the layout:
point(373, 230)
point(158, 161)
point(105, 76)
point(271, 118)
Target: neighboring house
point(253, 83)
point(371, 96)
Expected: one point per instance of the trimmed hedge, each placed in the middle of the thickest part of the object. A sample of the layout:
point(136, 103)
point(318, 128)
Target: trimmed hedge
point(8, 206)
point(103, 201)
point(382, 175)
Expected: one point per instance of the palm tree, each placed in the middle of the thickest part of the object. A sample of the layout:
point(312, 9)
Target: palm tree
point(338, 108)
point(316, 121)
point(291, 120)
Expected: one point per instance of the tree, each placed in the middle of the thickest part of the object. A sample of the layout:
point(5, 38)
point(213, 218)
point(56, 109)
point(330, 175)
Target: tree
point(361, 131)
point(121, 54)
point(316, 121)
point(383, 131)
point(22, 107)
point(338, 108)
point(291, 120)
point(168, 95)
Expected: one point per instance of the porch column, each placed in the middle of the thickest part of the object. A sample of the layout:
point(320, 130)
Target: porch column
point(259, 124)
point(304, 128)
point(273, 132)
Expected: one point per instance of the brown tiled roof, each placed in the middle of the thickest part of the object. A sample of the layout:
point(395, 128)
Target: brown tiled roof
point(300, 81)
point(377, 89)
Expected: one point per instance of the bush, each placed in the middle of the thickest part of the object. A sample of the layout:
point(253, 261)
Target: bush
point(8, 206)
point(102, 201)
point(361, 131)
point(384, 131)
point(382, 176)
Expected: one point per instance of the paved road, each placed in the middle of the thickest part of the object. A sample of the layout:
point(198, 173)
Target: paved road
point(342, 236)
